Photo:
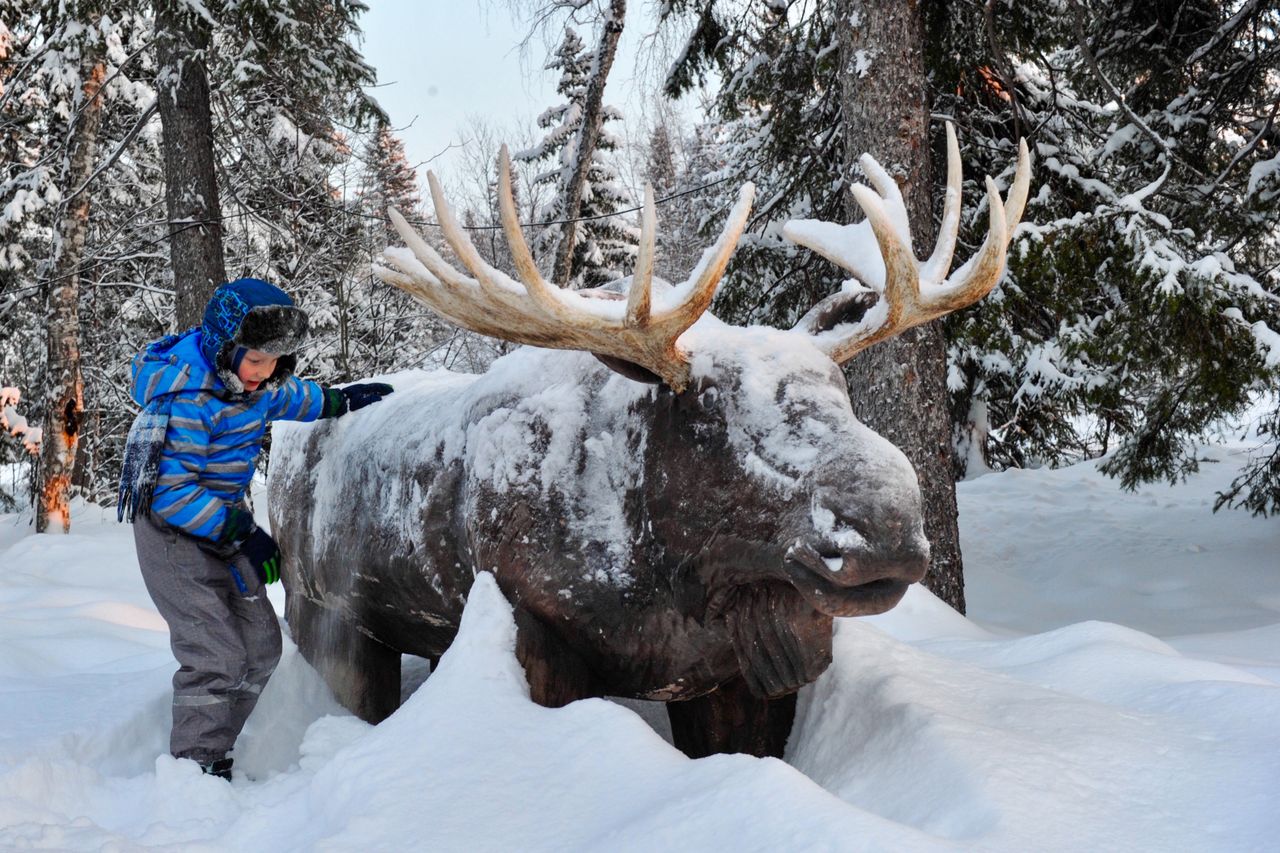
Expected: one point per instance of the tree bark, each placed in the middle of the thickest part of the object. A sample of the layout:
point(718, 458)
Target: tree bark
point(66, 385)
point(191, 185)
point(592, 119)
point(898, 387)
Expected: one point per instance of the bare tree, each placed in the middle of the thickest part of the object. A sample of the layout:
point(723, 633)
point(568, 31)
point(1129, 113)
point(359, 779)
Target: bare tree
point(65, 407)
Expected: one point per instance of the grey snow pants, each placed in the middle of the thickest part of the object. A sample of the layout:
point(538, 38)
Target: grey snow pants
point(227, 642)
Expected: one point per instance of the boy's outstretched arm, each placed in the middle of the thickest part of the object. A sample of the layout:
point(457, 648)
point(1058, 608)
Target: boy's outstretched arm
point(296, 399)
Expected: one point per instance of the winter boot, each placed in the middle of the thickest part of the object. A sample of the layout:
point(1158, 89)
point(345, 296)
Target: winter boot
point(220, 767)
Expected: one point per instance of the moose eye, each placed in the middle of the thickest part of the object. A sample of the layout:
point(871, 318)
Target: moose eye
point(709, 400)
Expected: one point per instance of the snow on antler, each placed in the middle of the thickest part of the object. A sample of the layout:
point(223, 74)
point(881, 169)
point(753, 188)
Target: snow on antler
point(877, 251)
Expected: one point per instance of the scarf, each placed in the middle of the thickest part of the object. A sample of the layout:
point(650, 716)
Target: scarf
point(142, 458)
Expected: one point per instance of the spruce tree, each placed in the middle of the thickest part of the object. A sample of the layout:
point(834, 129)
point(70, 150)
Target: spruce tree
point(1140, 302)
point(184, 38)
point(384, 329)
point(775, 121)
point(677, 245)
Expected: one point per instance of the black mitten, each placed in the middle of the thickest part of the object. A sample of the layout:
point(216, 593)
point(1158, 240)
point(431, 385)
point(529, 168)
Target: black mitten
point(263, 554)
point(339, 401)
point(239, 532)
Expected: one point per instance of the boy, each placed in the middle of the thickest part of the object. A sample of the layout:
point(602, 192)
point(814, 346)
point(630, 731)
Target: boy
point(207, 395)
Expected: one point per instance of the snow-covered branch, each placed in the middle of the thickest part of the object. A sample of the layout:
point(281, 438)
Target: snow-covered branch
point(15, 424)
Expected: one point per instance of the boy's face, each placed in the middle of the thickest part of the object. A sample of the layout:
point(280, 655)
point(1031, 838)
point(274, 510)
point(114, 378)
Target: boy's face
point(255, 368)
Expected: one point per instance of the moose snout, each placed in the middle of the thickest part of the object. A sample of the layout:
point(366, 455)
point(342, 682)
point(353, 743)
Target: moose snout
point(853, 576)
point(853, 567)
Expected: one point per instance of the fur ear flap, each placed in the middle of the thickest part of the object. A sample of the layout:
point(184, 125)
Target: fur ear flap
point(222, 366)
point(284, 369)
point(274, 329)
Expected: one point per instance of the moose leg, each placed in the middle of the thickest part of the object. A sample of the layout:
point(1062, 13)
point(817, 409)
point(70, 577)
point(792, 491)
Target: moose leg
point(557, 675)
point(363, 674)
point(732, 719)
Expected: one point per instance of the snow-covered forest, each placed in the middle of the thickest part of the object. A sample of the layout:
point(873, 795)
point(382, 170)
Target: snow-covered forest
point(1113, 399)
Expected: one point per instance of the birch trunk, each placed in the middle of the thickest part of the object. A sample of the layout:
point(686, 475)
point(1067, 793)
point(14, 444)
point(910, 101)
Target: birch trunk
point(66, 385)
point(191, 185)
point(899, 386)
point(592, 119)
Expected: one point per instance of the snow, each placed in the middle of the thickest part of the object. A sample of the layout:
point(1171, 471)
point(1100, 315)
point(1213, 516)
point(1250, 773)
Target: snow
point(1262, 173)
point(1268, 342)
point(1115, 686)
point(845, 538)
point(862, 61)
point(538, 421)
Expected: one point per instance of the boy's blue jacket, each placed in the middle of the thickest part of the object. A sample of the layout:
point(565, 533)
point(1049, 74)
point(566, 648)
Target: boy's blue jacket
point(212, 436)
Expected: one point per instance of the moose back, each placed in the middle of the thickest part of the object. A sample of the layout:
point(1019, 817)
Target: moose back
point(688, 539)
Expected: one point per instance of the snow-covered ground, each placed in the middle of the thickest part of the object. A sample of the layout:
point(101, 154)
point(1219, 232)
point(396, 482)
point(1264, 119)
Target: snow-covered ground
point(1116, 687)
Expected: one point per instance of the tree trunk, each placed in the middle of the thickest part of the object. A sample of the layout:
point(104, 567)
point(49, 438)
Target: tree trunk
point(191, 185)
point(66, 385)
point(592, 119)
point(899, 386)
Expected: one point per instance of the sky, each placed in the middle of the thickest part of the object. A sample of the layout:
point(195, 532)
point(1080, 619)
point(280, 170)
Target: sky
point(442, 61)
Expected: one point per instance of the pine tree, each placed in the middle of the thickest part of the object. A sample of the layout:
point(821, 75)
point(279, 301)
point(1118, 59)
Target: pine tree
point(383, 329)
point(660, 170)
point(677, 242)
point(594, 113)
point(389, 180)
point(289, 83)
point(286, 97)
point(606, 246)
point(275, 77)
point(776, 122)
point(184, 36)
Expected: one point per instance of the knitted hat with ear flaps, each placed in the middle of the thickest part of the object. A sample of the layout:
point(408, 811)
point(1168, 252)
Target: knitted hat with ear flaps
point(253, 314)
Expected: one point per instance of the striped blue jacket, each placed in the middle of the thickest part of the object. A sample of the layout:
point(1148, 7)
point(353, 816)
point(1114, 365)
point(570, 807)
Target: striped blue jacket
point(213, 437)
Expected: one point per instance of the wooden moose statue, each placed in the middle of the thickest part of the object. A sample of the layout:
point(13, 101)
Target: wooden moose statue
point(687, 539)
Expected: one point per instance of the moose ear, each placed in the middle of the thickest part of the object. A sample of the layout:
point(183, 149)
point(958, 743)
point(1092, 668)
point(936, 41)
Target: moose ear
point(838, 309)
point(629, 369)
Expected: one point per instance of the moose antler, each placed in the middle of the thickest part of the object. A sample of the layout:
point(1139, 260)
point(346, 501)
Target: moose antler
point(912, 292)
point(533, 311)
